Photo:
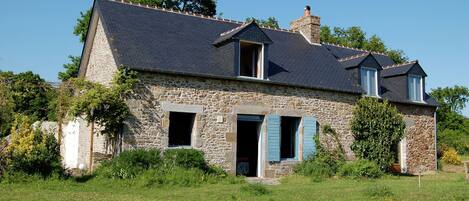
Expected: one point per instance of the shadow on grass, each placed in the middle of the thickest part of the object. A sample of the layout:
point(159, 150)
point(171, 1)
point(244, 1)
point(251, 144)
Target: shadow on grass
point(84, 178)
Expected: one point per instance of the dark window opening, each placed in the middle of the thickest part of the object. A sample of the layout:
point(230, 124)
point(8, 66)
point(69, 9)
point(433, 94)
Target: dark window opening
point(250, 60)
point(180, 128)
point(289, 129)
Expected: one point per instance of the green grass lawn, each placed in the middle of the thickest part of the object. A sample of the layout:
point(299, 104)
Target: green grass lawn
point(443, 186)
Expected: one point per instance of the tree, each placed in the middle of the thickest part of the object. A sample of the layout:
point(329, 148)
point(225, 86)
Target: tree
point(377, 127)
point(6, 109)
point(452, 100)
point(355, 37)
point(71, 69)
point(29, 92)
point(270, 22)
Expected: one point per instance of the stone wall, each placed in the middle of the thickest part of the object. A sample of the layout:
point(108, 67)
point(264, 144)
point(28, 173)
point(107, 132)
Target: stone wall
point(148, 126)
point(420, 138)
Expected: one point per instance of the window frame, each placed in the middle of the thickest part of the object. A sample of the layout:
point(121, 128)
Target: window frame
point(412, 77)
point(191, 135)
point(368, 85)
point(260, 68)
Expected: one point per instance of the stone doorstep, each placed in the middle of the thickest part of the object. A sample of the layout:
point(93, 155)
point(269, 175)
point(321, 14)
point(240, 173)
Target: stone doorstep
point(265, 181)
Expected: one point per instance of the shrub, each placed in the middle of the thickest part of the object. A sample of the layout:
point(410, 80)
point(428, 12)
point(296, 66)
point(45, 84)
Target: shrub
point(317, 167)
point(376, 127)
point(129, 164)
point(458, 139)
point(360, 169)
point(31, 151)
point(185, 158)
point(256, 189)
point(452, 157)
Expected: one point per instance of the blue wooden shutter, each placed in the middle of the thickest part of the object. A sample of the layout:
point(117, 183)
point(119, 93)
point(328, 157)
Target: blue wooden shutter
point(273, 137)
point(309, 145)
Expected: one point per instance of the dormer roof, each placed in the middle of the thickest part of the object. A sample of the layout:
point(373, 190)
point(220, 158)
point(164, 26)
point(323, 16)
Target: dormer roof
point(249, 31)
point(412, 67)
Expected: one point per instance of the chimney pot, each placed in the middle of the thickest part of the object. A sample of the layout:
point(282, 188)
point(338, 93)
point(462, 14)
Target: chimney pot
point(307, 11)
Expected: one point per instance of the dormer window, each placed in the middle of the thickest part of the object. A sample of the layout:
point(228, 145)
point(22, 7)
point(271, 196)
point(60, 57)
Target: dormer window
point(415, 88)
point(369, 81)
point(251, 61)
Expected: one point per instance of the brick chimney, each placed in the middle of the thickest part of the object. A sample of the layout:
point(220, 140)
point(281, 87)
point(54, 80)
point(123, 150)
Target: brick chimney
point(309, 26)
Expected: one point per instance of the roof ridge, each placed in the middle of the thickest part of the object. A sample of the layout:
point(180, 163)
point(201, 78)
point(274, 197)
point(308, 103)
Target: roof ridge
point(400, 65)
point(353, 48)
point(354, 56)
point(195, 15)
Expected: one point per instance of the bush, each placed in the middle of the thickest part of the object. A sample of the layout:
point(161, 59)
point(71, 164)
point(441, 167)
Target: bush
point(458, 139)
point(31, 151)
point(360, 169)
point(451, 156)
point(129, 164)
point(322, 165)
point(185, 158)
point(377, 127)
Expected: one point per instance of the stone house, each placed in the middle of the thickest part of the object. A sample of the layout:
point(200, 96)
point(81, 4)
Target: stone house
point(251, 98)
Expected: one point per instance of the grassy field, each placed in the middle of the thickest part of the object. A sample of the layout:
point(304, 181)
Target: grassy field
point(443, 186)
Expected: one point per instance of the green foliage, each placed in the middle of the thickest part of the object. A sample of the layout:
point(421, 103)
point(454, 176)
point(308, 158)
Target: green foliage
point(129, 164)
point(355, 37)
point(452, 157)
point(32, 152)
point(256, 189)
point(103, 105)
point(71, 69)
point(324, 163)
point(29, 92)
point(269, 22)
point(81, 28)
point(7, 106)
point(452, 100)
point(360, 169)
point(185, 158)
point(453, 128)
point(457, 139)
point(376, 127)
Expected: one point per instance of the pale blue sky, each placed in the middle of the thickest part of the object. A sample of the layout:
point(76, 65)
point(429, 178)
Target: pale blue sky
point(37, 35)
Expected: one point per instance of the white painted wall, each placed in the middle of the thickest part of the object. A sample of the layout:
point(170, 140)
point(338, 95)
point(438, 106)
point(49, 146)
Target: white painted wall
point(71, 133)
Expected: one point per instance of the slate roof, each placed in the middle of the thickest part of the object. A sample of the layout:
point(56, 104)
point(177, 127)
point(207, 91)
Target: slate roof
point(400, 69)
point(156, 40)
point(354, 61)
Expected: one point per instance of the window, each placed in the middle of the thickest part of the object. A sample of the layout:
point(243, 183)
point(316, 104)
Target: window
point(180, 128)
point(369, 81)
point(288, 135)
point(415, 88)
point(251, 60)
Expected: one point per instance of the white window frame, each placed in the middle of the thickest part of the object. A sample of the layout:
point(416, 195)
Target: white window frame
point(376, 80)
point(420, 78)
point(261, 67)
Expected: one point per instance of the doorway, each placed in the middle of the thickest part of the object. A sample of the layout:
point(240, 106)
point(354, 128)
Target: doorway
point(247, 146)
